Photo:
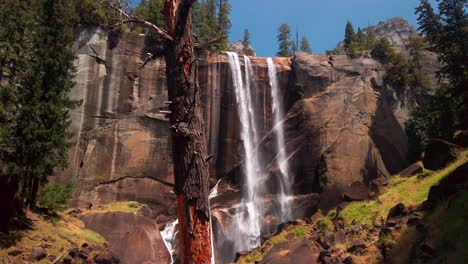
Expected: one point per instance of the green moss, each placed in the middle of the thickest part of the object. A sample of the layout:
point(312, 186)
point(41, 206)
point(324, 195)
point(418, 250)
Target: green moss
point(385, 240)
point(290, 233)
point(129, 207)
point(409, 191)
point(325, 224)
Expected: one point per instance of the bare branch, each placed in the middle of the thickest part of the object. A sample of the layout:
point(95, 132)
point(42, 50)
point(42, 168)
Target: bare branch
point(134, 19)
point(209, 43)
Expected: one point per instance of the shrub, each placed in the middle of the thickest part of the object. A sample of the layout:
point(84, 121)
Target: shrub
point(323, 180)
point(335, 51)
point(298, 92)
point(324, 224)
point(54, 197)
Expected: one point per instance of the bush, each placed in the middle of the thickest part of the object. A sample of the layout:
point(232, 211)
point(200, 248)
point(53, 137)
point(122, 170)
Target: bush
point(325, 224)
point(382, 50)
point(298, 92)
point(335, 51)
point(323, 180)
point(54, 197)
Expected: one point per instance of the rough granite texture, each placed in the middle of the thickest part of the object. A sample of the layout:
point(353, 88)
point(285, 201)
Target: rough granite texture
point(347, 128)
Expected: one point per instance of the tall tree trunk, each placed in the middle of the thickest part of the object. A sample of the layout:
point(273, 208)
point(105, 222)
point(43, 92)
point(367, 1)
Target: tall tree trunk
point(8, 190)
point(34, 190)
point(188, 139)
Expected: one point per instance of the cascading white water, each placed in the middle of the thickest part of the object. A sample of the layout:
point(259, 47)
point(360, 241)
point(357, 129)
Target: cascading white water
point(169, 235)
point(247, 220)
point(281, 159)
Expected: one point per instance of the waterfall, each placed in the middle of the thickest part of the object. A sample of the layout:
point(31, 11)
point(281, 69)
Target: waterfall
point(169, 236)
point(246, 230)
point(281, 159)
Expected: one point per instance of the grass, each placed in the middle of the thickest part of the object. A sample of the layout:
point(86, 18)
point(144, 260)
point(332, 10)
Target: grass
point(449, 229)
point(64, 234)
point(129, 207)
point(409, 191)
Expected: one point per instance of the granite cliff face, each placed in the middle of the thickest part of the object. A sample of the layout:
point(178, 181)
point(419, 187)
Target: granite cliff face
point(122, 141)
point(343, 130)
point(348, 127)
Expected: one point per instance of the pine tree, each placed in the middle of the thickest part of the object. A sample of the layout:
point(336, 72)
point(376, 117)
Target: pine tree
point(16, 36)
point(246, 43)
point(286, 46)
point(211, 21)
point(360, 38)
point(43, 121)
point(305, 45)
point(350, 36)
point(246, 38)
point(151, 10)
point(446, 32)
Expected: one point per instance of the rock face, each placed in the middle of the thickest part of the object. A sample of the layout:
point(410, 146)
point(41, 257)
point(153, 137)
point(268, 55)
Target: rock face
point(121, 149)
point(343, 127)
point(344, 130)
point(301, 251)
point(347, 128)
point(133, 238)
point(397, 30)
point(439, 153)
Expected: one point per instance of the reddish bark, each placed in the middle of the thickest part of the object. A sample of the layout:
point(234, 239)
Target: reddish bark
point(191, 170)
point(188, 139)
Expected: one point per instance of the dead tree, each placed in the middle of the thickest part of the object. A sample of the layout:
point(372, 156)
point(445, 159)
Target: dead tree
point(186, 125)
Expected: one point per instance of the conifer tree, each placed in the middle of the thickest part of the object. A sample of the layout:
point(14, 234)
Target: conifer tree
point(211, 20)
point(305, 45)
point(246, 43)
point(151, 10)
point(446, 32)
point(43, 120)
point(286, 46)
point(360, 38)
point(16, 36)
point(350, 35)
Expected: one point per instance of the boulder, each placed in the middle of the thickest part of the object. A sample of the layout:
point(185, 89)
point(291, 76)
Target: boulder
point(357, 246)
point(381, 181)
point(427, 248)
point(397, 211)
point(357, 191)
point(449, 185)
point(439, 153)
point(302, 251)
point(106, 257)
point(412, 170)
point(37, 254)
point(15, 252)
point(131, 237)
point(415, 218)
point(317, 216)
point(461, 139)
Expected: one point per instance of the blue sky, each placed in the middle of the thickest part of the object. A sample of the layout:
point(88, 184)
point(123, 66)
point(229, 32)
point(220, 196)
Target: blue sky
point(321, 21)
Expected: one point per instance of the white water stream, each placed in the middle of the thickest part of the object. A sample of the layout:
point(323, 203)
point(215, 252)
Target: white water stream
point(247, 221)
point(281, 159)
point(246, 226)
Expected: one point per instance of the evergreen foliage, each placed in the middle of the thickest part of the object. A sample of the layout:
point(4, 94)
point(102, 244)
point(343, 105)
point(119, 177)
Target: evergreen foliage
point(350, 35)
point(211, 21)
point(54, 197)
point(305, 45)
point(93, 13)
point(447, 33)
point(151, 11)
point(36, 75)
point(286, 45)
point(246, 43)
